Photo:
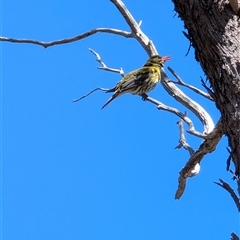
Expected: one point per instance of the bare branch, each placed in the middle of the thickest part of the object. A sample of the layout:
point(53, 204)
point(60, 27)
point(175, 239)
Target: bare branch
point(190, 42)
point(210, 92)
point(227, 187)
point(235, 177)
point(181, 82)
point(135, 27)
point(206, 147)
point(104, 66)
point(182, 141)
point(198, 110)
point(69, 40)
point(162, 106)
point(92, 91)
point(229, 159)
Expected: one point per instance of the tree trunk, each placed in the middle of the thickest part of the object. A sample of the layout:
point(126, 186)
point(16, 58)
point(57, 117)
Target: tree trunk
point(214, 31)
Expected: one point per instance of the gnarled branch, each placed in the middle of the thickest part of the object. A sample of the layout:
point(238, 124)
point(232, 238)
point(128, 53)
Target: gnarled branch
point(206, 147)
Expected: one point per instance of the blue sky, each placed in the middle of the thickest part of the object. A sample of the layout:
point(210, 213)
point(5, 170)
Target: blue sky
point(74, 171)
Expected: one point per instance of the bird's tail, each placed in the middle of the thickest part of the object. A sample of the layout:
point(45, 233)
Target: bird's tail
point(109, 100)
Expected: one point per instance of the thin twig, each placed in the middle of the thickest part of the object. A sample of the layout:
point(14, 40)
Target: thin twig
point(69, 40)
point(183, 143)
point(190, 42)
point(99, 88)
point(227, 187)
point(182, 140)
point(229, 158)
point(181, 82)
point(104, 66)
point(210, 92)
point(186, 119)
point(237, 178)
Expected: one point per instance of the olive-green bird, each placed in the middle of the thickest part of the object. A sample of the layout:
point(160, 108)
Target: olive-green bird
point(140, 81)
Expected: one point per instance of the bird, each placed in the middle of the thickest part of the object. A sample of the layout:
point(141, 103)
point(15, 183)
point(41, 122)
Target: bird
point(140, 81)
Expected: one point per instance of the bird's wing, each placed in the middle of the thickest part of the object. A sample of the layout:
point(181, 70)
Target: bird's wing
point(135, 78)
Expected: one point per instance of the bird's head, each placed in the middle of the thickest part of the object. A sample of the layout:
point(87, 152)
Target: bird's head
point(157, 60)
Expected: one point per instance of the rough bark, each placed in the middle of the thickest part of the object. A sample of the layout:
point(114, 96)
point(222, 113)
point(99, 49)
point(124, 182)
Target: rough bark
point(214, 32)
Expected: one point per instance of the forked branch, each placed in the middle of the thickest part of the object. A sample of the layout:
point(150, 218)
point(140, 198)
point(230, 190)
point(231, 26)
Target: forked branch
point(181, 82)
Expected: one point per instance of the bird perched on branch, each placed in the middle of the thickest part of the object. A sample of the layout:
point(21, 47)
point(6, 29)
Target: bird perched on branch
point(140, 81)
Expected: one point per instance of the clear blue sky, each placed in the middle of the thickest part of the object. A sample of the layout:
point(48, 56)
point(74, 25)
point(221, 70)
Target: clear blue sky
point(74, 171)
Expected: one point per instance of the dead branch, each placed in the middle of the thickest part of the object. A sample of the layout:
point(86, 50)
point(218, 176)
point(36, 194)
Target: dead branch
point(92, 91)
point(138, 34)
point(68, 40)
point(190, 42)
point(183, 143)
point(227, 187)
point(104, 66)
point(182, 140)
point(175, 111)
point(181, 82)
point(206, 147)
point(237, 178)
point(197, 109)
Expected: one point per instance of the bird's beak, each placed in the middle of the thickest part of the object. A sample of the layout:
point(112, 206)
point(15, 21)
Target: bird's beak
point(166, 58)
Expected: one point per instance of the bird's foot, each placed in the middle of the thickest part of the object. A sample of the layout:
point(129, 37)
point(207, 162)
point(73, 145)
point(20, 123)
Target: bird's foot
point(144, 96)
